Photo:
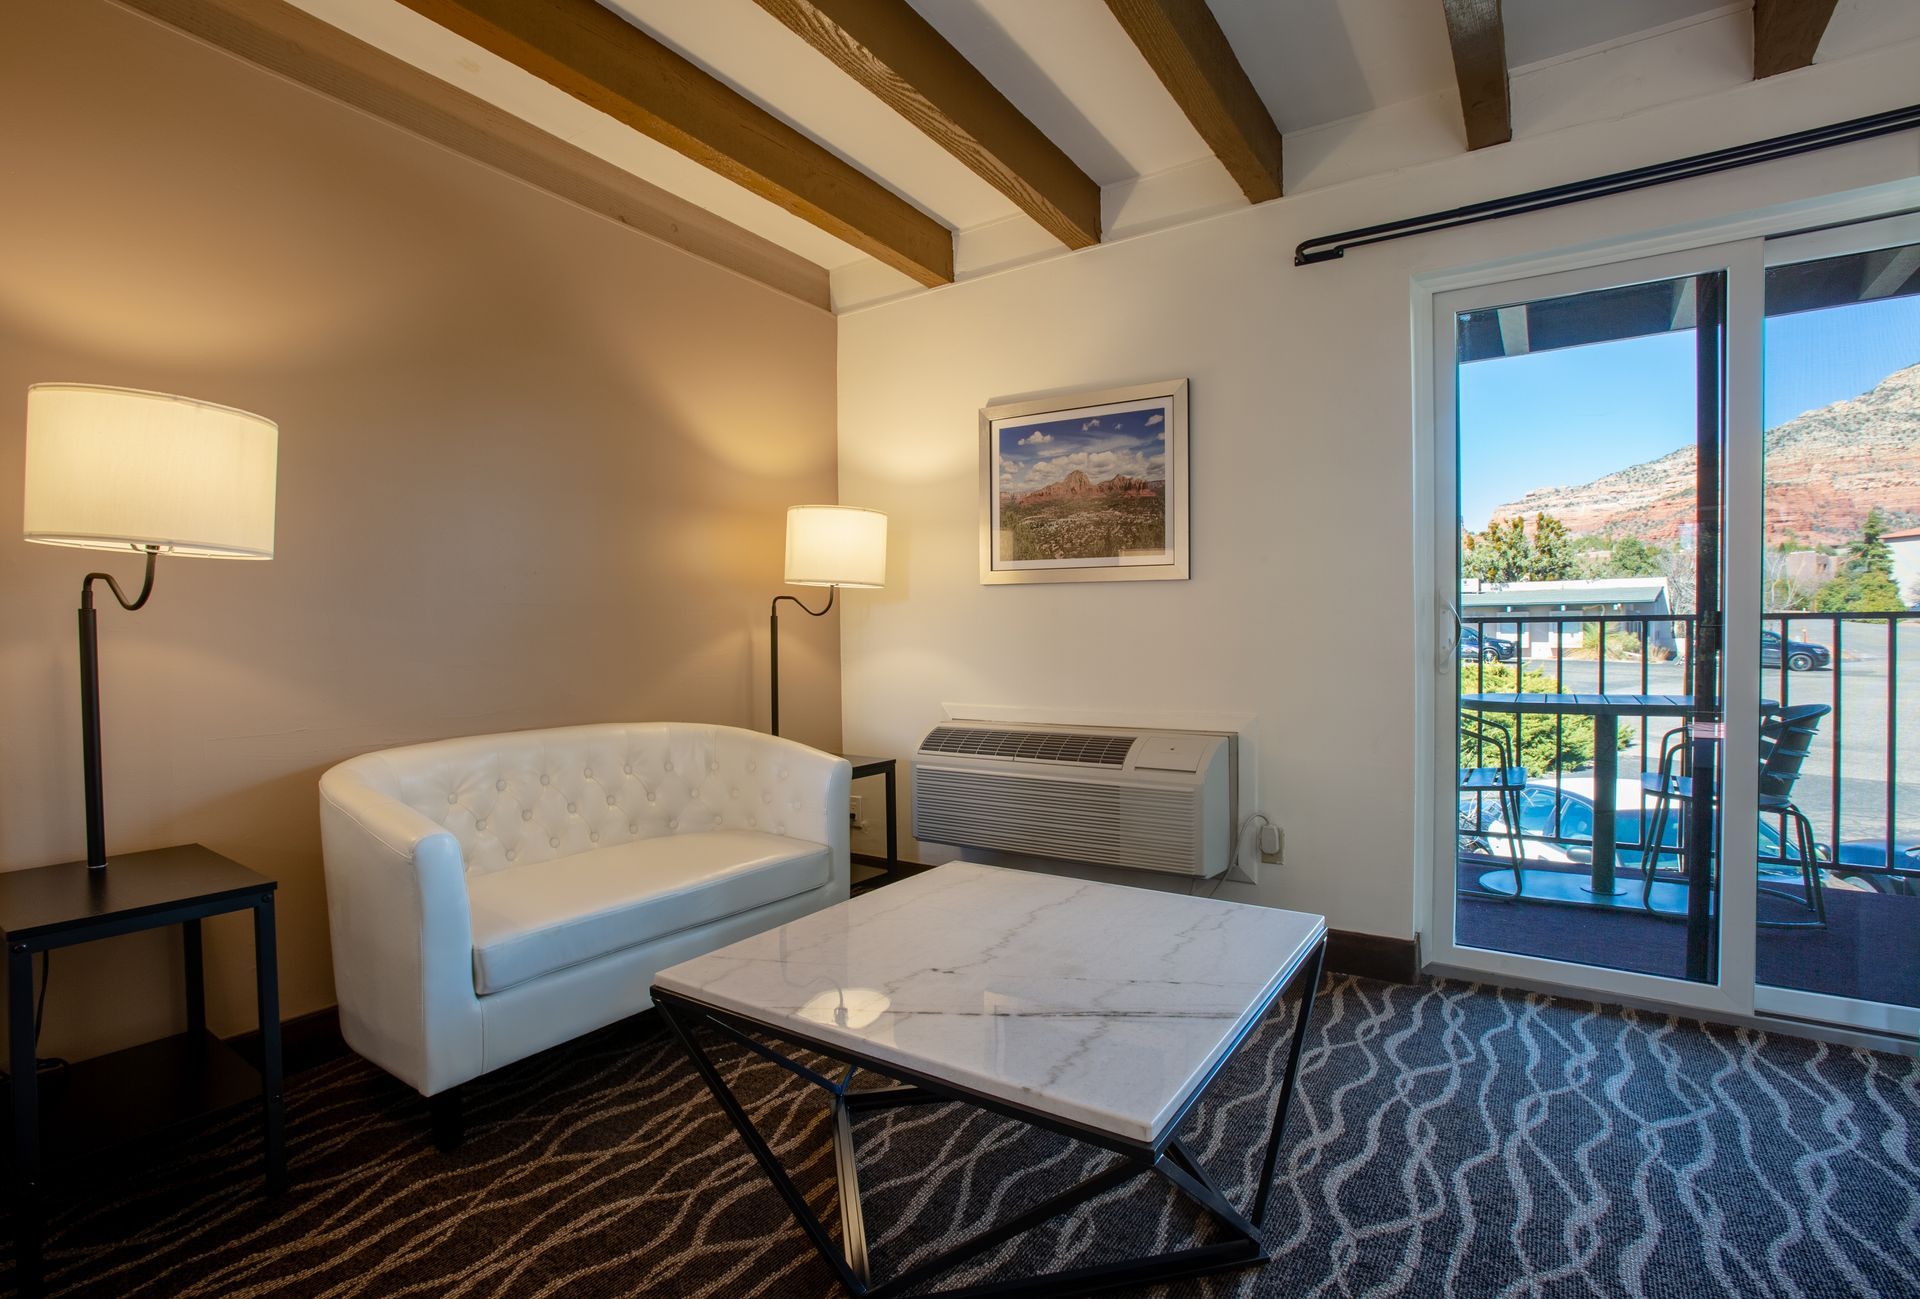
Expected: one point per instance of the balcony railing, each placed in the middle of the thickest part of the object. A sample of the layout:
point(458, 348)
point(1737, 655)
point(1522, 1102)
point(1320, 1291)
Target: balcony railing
point(1856, 768)
point(1884, 628)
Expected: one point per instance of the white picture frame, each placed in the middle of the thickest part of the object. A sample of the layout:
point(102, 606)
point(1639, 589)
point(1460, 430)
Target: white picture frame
point(1086, 486)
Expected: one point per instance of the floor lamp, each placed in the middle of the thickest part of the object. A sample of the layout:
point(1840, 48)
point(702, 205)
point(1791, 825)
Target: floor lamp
point(120, 469)
point(831, 546)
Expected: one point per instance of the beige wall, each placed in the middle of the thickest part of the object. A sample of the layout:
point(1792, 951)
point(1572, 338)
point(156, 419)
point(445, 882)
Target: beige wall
point(1311, 608)
point(533, 469)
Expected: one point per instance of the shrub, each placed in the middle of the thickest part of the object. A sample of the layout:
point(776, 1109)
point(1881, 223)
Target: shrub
point(1620, 644)
point(1539, 752)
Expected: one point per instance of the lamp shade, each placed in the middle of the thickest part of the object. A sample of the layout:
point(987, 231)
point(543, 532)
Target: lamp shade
point(113, 468)
point(836, 545)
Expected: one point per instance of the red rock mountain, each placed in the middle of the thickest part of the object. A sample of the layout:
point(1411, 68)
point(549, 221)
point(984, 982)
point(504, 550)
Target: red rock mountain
point(1077, 486)
point(1824, 470)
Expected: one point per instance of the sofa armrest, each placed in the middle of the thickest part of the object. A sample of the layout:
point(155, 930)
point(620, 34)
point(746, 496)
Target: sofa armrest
point(821, 782)
point(401, 933)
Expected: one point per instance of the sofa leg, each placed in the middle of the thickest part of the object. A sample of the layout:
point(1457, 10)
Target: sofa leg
point(449, 1119)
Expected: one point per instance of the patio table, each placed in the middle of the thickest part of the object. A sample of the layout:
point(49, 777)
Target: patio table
point(1606, 711)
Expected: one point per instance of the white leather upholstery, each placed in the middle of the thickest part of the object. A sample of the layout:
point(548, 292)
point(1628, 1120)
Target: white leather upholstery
point(559, 870)
point(533, 920)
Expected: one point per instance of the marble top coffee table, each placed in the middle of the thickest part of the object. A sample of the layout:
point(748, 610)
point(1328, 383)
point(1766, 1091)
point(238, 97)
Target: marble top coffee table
point(1094, 1010)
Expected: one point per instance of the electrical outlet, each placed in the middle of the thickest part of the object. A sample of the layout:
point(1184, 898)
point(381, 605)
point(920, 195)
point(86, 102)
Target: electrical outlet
point(853, 812)
point(1270, 844)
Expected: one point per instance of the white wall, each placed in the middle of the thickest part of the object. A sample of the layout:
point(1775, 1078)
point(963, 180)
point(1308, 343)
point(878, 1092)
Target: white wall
point(1906, 566)
point(1308, 606)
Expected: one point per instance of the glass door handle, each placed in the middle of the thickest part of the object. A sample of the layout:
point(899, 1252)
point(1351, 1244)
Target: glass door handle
point(1459, 634)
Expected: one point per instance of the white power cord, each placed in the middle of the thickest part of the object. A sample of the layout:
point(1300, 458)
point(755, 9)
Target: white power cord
point(1233, 863)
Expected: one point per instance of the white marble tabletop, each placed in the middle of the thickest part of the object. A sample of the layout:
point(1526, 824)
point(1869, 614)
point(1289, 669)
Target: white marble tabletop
point(1099, 1004)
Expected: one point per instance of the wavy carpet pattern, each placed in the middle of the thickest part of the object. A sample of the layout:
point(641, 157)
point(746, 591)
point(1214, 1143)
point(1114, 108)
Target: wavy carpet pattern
point(1448, 1140)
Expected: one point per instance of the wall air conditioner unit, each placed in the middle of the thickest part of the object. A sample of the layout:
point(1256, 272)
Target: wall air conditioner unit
point(1146, 799)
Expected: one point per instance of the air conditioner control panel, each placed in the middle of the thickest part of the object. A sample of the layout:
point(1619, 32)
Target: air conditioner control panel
point(1170, 752)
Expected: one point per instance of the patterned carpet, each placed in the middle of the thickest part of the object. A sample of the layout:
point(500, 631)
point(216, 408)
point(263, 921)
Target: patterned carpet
point(1447, 1141)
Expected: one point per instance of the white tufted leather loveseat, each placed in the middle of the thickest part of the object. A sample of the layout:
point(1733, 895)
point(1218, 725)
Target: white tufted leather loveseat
point(493, 896)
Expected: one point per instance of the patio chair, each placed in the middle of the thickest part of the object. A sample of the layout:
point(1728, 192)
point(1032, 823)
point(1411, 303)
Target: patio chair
point(1786, 737)
point(1506, 781)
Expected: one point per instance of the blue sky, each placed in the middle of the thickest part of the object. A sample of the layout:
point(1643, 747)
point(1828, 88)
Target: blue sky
point(1132, 442)
point(1569, 416)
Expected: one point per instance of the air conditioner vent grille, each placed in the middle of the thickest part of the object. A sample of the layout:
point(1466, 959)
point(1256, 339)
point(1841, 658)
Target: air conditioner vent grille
point(1061, 817)
point(1077, 748)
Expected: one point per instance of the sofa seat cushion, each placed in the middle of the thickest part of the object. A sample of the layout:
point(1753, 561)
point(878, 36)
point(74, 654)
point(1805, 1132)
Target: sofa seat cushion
point(531, 920)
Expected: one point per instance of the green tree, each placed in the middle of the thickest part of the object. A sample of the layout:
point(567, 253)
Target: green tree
point(1506, 552)
point(1859, 593)
point(1864, 583)
point(1870, 554)
point(1630, 557)
point(1552, 558)
point(1499, 554)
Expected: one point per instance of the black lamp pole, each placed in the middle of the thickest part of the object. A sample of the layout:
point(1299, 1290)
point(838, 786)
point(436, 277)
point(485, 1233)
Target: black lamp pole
point(90, 701)
point(773, 642)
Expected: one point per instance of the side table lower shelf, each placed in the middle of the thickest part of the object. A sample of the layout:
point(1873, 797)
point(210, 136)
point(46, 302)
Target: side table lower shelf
point(115, 1100)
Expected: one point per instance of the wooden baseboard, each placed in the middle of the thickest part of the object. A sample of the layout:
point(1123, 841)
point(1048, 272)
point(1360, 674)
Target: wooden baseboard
point(898, 870)
point(1372, 956)
point(305, 1041)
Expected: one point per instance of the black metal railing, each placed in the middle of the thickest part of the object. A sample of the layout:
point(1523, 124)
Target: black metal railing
point(1883, 627)
point(1661, 646)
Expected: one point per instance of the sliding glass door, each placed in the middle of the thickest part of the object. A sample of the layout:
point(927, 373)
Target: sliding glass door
point(1677, 552)
point(1588, 431)
point(1839, 903)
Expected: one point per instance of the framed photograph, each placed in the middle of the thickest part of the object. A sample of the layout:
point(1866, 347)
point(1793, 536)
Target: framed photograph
point(1086, 487)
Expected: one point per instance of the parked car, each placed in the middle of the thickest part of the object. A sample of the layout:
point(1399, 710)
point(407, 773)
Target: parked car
point(1491, 649)
point(1631, 823)
point(1873, 852)
point(1802, 655)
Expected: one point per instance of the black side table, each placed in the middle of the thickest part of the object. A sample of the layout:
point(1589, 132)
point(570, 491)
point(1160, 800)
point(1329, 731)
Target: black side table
point(107, 1101)
point(865, 765)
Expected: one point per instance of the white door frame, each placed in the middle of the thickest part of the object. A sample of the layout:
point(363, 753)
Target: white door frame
point(1732, 994)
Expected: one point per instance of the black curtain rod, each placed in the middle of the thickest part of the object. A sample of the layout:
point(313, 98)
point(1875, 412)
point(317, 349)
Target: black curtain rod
point(1330, 247)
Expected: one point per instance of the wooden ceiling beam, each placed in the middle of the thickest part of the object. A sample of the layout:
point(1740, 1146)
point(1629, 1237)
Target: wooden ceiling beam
point(292, 43)
point(1187, 50)
point(896, 54)
point(1479, 43)
point(1786, 33)
point(607, 63)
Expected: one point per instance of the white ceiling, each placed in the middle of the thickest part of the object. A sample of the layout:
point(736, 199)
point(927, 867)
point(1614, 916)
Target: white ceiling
point(1070, 68)
point(742, 45)
point(1321, 61)
point(1538, 30)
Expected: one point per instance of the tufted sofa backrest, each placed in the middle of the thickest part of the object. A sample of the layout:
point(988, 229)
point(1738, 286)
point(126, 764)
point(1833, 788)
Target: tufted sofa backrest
point(531, 796)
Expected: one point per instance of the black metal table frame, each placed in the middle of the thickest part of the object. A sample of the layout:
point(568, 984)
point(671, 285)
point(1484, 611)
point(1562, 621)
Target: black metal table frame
point(885, 767)
point(1168, 1157)
point(22, 1049)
